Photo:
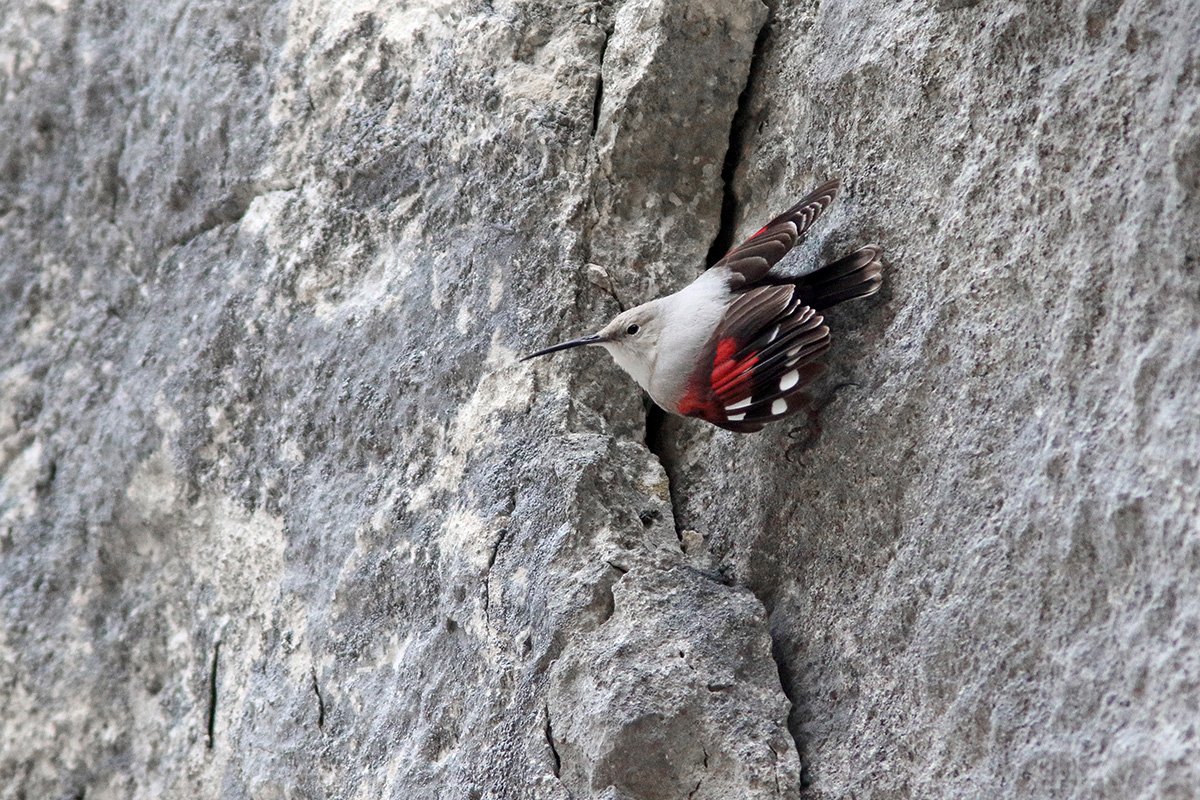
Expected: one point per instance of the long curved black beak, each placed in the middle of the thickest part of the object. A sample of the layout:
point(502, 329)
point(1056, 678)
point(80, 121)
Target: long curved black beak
point(595, 338)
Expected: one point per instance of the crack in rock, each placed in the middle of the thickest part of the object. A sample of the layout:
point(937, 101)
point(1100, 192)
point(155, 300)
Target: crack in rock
point(723, 241)
point(211, 712)
point(549, 732)
point(316, 687)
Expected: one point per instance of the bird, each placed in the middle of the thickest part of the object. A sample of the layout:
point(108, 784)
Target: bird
point(739, 346)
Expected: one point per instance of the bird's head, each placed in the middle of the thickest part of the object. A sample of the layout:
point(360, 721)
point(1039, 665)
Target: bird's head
point(631, 338)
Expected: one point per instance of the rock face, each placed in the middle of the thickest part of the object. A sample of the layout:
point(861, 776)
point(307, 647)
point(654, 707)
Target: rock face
point(282, 516)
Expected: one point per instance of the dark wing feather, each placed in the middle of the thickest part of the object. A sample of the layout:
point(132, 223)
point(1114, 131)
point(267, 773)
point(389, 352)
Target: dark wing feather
point(763, 359)
point(752, 259)
point(777, 406)
point(750, 310)
point(856, 275)
point(780, 364)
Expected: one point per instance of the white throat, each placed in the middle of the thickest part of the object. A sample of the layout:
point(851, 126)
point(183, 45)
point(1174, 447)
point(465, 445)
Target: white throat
point(639, 367)
point(686, 321)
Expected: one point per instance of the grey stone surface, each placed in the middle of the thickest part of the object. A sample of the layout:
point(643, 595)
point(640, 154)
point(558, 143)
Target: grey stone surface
point(281, 516)
point(702, 679)
point(982, 579)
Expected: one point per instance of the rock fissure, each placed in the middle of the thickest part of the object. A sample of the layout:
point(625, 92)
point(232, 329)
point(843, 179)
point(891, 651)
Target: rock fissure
point(316, 687)
point(655, 419)
point(785, 685)
point(211, 712)
point(723, 241)
point(598, 100)
point(549, 733)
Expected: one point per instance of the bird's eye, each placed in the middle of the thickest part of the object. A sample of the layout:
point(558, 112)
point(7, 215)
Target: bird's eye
point(631, 330)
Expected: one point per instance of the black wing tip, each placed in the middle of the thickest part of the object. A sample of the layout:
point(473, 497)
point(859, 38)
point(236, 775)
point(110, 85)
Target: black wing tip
point(823, 196)
point(859, 274)
point(830, 187)
point(753, 258)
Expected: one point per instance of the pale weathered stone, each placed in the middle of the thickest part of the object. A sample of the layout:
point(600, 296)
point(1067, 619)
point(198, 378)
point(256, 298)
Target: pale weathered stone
point(282, 516)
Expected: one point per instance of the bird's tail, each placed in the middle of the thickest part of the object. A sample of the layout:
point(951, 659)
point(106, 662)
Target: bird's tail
point(856, 275)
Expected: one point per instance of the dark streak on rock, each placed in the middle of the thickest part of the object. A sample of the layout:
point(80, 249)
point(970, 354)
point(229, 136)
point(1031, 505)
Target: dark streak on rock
point(487, 573)
point(775, 753)
point(46, 478)
point(211, 723)
point(655, 417)
point(608, 605)
point(550, 741)
point(500, 535)
point(320, 700)
point(737, 136)
point(598, 101)
point(231, 209)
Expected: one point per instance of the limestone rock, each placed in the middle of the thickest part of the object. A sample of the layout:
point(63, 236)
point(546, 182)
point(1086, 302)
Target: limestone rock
point(281, 515)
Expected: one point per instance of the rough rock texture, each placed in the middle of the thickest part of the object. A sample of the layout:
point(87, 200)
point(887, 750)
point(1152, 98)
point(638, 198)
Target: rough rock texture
point(281, 516)
point(983, 579)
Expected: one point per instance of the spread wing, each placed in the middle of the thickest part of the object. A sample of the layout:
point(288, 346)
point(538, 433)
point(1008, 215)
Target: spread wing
point(761, 359)
point(751, 260)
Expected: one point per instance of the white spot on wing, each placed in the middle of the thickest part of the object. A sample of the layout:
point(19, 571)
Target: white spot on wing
point(778, 407)
point(736, 417)
point(789, 380)
point(739, 404)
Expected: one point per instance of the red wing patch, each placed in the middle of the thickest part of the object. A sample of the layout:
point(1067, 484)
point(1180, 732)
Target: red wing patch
point(694, 404)
point(764, 361)
point(728, 370)
point(759, 362)
point(731, 372)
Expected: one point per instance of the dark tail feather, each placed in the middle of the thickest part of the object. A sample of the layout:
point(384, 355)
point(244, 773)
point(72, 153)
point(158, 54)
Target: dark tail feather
point(857, 275)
